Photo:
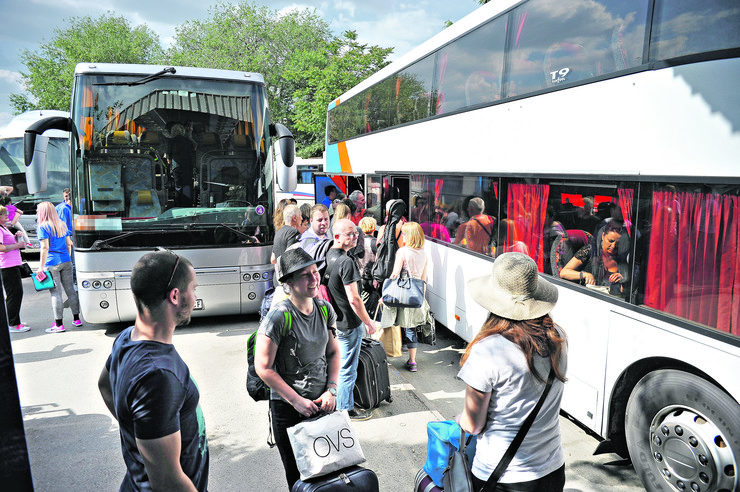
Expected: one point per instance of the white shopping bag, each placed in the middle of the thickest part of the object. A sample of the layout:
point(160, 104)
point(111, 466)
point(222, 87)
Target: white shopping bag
point(325, 444)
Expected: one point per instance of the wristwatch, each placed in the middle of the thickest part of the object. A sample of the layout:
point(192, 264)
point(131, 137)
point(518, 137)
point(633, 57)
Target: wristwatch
point(332, 391)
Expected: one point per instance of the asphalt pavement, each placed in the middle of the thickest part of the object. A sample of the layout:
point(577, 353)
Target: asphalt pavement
point(74, 445)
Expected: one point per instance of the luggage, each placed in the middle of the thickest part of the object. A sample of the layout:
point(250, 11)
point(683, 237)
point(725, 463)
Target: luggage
point(354, 478)
point(424, 483)
point(373, 382)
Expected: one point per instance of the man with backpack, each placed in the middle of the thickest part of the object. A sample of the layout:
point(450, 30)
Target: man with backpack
point(351, 313)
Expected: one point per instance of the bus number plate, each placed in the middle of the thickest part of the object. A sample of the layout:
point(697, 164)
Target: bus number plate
point(198, 304)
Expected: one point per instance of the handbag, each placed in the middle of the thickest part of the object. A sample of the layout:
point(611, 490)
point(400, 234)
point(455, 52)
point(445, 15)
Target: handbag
point(45, 283)
point(325, 444)
point(404, 291)
point(443, 439)
point(26, 271)
point(455, 477)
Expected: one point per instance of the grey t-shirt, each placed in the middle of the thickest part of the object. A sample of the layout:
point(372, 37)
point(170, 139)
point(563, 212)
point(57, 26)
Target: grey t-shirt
point(301, 354)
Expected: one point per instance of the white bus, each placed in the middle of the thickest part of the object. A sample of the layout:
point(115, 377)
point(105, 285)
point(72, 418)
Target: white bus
point(13, 170)
point(565, 118)
point(180, 158)
point(304, 191)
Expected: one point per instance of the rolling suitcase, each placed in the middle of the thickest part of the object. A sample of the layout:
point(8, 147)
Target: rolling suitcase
point(354, 478)
point(373, 383)
point(424, 483)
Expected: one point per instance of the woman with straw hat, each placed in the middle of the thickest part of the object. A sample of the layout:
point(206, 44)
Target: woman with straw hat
point(505, 368)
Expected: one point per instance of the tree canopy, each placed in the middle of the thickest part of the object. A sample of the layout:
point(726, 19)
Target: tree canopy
point(304, 64)
point(106, 39)
point(322, 75)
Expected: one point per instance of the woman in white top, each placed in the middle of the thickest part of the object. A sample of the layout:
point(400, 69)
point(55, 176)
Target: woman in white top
point(505, 368)
point(413, 258)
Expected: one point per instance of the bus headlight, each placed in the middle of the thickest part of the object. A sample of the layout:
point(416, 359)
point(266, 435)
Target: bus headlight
point(85, 284)
point(104, 304)
point(108, 284)
point(96, 284)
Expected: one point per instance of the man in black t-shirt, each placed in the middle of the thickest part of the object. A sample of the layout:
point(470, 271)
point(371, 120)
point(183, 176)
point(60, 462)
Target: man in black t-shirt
point(149, 389)
point(351, 313)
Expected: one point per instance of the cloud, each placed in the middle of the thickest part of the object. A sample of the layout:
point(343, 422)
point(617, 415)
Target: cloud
point(11, 77)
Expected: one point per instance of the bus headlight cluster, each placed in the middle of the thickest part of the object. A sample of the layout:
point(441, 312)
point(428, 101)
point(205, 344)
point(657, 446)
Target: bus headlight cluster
point(256, 277)
point(97, 284)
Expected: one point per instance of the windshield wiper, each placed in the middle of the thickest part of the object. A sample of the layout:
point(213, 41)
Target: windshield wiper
point(145, 80)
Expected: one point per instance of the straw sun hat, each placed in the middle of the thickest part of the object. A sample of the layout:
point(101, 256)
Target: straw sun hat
point(514, 290)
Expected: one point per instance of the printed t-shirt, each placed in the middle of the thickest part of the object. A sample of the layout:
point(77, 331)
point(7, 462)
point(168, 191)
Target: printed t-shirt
point(155, 396)
point(301, 355)
point(499, 366)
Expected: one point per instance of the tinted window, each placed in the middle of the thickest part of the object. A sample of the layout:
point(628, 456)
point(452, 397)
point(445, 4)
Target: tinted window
point(469, 70)
point(556, 42)
point(684, 27)
point(412, 94)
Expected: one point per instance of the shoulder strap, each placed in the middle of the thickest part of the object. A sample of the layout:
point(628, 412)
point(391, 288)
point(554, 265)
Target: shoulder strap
point(511, 451)
point(330, 262)
point(288, 322)
point(490, 234)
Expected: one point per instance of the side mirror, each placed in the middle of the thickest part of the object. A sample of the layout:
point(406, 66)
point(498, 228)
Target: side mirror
point(34, 150)
point(285, 172)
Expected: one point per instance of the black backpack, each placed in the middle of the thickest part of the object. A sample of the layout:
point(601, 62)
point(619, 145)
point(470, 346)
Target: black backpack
point(257, 388)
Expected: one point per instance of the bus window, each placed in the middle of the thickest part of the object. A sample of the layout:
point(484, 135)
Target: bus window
point(579, 41)
point(692, 256)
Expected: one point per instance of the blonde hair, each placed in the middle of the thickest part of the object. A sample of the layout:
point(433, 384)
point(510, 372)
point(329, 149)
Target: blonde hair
point(3, 210)
point(413, 235)
point(47, 215)
point(367, 224)
point(342, 211)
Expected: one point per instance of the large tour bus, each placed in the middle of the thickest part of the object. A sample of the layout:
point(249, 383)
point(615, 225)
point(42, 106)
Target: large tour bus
point(178, 158)
point(554, 127)
point(13, 170)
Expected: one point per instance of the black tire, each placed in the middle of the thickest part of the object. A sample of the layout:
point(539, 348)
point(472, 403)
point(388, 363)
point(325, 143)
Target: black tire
point(683, 433)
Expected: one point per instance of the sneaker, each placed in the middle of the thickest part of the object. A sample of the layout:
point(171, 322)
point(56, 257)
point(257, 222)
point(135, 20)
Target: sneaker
point(77, 322)
point(55, 329)
point(360, 414)
point(21, 328)
point(411, 366)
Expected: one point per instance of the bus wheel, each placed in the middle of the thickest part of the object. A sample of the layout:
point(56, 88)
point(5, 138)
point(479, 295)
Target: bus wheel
point(683, 431)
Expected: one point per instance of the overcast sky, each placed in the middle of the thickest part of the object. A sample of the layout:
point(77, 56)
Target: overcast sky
point(24, 24)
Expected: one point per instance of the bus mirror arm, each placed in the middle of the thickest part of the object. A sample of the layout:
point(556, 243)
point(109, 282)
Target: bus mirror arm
point(39, 127)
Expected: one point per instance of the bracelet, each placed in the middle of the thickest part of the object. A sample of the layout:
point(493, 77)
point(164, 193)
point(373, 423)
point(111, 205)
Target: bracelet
point(581, 274)
point(331, 382)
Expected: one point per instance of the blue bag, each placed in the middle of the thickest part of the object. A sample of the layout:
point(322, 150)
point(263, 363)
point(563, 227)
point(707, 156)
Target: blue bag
point(404, 291)
point(443, 439)
point(45, 283)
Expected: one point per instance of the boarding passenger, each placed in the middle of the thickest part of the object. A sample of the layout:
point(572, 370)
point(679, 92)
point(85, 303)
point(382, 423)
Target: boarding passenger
point(301, 366)
point(505, 368)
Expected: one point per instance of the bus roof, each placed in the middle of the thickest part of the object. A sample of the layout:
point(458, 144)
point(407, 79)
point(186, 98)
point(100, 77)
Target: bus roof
point(17, 126)
point(211, 73)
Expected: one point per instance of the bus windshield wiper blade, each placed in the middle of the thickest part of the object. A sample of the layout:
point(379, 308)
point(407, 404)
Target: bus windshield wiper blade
point(105, 243)
point(145, 80)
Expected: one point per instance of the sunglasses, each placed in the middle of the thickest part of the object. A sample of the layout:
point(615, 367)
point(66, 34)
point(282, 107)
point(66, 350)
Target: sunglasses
point(174, 269)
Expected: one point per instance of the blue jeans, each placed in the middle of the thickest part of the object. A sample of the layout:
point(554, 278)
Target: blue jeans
point(349, 352)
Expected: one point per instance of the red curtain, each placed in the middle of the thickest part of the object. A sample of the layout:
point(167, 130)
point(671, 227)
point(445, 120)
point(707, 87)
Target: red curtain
point(693, 268)
point(625, 204)
point(526, 206)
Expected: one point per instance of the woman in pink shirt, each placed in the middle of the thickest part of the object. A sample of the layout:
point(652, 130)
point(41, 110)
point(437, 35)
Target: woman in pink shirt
point(10, 265)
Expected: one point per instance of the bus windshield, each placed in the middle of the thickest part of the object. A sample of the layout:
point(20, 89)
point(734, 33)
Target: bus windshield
point(160, 165)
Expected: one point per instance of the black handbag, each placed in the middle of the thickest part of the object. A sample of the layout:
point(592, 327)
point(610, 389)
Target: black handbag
point(26, 271)
point(458, 476)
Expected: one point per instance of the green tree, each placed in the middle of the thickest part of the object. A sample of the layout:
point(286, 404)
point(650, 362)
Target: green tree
point(322, 74)
point(253, 39)
point(106, 39)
